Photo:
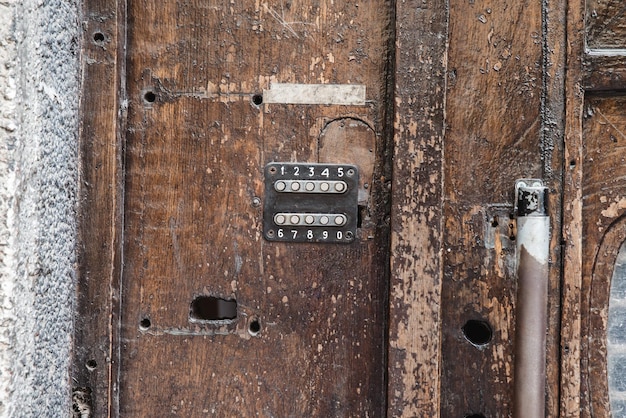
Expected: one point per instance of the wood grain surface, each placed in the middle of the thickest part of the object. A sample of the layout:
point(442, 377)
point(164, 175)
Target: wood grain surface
point(415, 287)
point(494, 120)
point(606, 24)
point(100, 207)
point(196, 145)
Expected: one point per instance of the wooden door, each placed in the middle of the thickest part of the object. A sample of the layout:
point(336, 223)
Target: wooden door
point(210, 317)
point(189, 304)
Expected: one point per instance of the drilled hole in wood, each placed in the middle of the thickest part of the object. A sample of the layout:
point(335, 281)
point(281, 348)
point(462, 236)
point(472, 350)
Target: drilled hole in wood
point(91, 365)
point(257, 99)
point(254, 327)
point(98, 37)
point(477, 332)
point(209, 308)
point(149, 97)
point(145, 323)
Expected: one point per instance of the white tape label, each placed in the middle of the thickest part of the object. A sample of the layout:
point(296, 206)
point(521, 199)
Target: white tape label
point(320, 94)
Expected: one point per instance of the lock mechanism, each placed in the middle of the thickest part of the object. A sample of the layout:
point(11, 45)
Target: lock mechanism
point(310, 202)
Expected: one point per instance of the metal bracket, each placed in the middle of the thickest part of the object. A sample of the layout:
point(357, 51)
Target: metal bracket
point(530, 197)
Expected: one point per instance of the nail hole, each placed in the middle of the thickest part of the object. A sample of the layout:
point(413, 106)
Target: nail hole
point(257, 99)
point(572, 164)
point(98, 37)
point(209, 308)
point(254, 328)
point(477, 332)
point(494, 222)
point(145, 323)
point(149, 97)
point(91, 365)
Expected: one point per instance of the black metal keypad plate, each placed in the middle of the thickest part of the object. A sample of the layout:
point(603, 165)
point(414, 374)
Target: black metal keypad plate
point(310, 202)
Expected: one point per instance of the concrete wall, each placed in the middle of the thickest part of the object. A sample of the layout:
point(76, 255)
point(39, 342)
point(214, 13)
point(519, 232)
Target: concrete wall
point(39, 79)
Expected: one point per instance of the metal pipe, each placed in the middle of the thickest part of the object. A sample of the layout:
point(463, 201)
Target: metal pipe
point(532, 242)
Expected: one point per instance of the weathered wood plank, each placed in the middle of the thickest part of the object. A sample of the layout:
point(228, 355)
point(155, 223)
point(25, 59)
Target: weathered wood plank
point(553, 131)
point(493, 115)
point(606, 24)
point(196, 148)
point(572, 218)
point(94, 366)
point(414, 330)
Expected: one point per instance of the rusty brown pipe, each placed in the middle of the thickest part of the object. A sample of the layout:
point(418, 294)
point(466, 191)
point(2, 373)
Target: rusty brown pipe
point(532, 242)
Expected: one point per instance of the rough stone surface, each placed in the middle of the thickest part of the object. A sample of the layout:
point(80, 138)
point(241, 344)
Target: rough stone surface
point(38, 180)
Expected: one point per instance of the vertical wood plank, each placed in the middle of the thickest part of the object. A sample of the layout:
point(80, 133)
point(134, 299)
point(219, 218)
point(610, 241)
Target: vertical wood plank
point(416, 241)
point(553, 132)
point(572, 218)
point(100, 220)
point(494, 120)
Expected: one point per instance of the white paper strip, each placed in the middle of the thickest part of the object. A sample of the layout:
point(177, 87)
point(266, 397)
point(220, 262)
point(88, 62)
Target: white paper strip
point(320, 94)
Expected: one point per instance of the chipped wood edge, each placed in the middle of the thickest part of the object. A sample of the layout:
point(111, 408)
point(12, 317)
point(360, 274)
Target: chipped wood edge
point(414, 365)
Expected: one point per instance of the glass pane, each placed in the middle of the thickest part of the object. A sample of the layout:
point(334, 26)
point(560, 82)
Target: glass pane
point(616, 337)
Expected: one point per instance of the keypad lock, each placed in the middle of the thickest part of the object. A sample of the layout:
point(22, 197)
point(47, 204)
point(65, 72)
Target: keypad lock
point(310, 202)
